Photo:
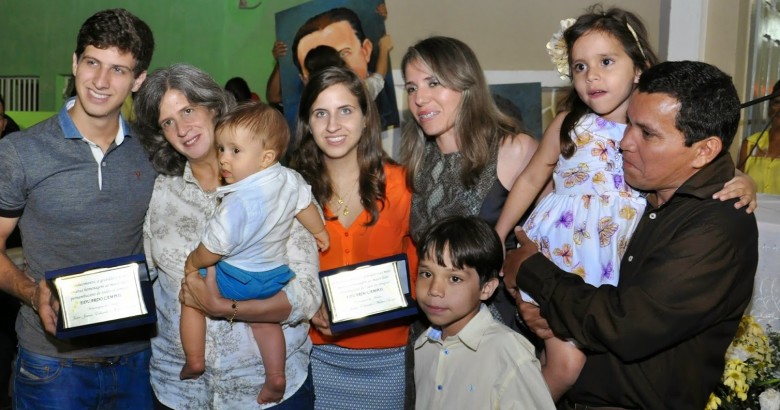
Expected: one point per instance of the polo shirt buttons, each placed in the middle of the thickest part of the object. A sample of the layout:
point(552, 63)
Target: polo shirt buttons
point(439, 387)
point(346, 234)
point(346, 250)
point(651, 216)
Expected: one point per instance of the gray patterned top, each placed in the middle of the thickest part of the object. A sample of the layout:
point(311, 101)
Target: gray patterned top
point(440, 192)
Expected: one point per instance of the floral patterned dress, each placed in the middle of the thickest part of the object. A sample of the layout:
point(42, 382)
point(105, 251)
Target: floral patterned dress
point(584, 225)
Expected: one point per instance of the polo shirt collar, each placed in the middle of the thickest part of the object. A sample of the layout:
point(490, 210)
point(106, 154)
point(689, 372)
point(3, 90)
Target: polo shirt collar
point(70, 131)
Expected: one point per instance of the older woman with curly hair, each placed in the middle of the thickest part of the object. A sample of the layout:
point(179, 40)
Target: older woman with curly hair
point(177, 109)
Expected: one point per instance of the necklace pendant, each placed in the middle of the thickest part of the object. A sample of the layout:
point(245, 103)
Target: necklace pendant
point(345, 212)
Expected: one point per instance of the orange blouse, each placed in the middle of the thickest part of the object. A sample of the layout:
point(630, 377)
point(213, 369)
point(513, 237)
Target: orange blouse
point(358, 243)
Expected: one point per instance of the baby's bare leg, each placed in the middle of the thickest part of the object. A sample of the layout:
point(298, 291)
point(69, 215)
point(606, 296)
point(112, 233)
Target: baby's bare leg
point(270, 340)
point(192, 328)
point(562, 366)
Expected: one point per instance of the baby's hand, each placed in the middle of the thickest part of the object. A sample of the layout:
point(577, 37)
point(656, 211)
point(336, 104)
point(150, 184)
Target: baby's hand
point(323, 240)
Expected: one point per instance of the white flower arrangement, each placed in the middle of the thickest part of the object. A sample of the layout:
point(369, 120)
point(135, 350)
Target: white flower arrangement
point(556, 48)
point(769, 399)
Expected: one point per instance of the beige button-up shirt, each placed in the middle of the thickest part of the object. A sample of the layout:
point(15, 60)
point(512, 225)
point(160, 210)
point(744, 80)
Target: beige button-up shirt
point(485, 366)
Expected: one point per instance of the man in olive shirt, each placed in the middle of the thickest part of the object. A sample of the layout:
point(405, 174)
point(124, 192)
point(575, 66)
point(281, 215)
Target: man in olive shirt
point(657, 340)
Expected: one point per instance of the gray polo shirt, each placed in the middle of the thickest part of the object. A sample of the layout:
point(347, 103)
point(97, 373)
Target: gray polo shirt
point(72, 214)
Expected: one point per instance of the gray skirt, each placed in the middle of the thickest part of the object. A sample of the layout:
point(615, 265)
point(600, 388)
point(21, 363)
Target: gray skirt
point(357, 378)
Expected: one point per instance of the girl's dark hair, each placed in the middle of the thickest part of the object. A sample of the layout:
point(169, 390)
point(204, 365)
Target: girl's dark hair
point(615, 22)
point(480, 126)
point(199, 88)
point(469, 241)
point(308, 159)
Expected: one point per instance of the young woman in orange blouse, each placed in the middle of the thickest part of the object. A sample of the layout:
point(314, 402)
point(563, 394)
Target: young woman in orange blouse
point(366, 205)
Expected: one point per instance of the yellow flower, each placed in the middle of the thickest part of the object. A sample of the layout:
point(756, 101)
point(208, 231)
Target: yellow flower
point(713, 403)
point(735, 378)
point(749, 367)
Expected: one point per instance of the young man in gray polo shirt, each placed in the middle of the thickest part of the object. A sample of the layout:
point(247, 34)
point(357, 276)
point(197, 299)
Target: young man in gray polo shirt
point(78, 185)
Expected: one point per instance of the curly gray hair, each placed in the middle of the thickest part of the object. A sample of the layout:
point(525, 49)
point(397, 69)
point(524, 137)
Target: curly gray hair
point(199, 88)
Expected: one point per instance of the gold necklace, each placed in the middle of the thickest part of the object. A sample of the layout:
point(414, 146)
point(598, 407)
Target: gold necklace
point(343, 203)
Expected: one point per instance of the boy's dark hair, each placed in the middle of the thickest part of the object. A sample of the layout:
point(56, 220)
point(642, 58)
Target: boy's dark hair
point(321, 57)
point(121, 29)
point(709, 104)
point(239, 88)
point(265, 124)
point(469, 241)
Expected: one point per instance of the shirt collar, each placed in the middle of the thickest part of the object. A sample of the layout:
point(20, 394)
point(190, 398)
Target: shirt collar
point(258, 178)
point(709, 179)
point(470, 335)
point(70, 131)
point(187, 175)
point(189, 178)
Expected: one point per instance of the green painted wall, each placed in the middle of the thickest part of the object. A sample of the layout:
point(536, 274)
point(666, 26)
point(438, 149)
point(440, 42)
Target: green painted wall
point(38, 37)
